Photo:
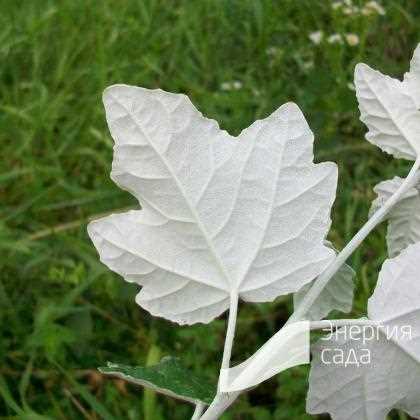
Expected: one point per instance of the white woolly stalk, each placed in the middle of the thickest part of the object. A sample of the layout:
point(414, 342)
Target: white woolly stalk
point(230, 332)
point(219, 405)
point(199, 408)
point(222, 401)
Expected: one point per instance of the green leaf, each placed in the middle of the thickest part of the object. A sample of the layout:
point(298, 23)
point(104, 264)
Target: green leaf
point(149, 398)
point(168, 377)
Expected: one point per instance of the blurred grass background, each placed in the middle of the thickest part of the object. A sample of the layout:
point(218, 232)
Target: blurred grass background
point(62, 313)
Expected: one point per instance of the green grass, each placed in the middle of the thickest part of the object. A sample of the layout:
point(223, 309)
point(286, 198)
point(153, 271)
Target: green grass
point(62, 313)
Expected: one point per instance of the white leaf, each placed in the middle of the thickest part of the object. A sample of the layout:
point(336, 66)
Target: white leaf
point(403, 219)
point(287, 348)
point(412, 78)
point(337, 294)
point(389, 112)
point(219, 215)
point(392, 379)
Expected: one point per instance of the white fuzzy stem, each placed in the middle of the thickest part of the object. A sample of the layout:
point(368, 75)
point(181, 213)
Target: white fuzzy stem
point(219, 405)
point(223, 401)
point(199, 408)
point(230, 332)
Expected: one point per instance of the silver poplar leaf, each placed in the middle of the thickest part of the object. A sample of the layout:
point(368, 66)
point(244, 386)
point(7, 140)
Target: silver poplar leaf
point(337, 294)
point(412, 78)
point(168, 377)
point(389, 112)
point(403, 219)
point(392, 379)
point(218, 215)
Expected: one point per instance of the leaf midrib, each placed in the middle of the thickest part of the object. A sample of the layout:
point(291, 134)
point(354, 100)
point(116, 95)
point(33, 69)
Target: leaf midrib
point(160, 266)
point(268, 218)
point(152, 386)
point(213, 251)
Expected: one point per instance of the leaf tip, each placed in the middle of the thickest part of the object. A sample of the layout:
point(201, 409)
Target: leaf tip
point(109, 90)
point(92, 230)
point(361, 70)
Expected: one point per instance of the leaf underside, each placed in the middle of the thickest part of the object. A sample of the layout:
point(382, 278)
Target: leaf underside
point(369, 391)
point(168, 377)
point(389, 110)
point(403, 219)
point(392, 379)
point(337, 294)
point(219, 216)
point(412, 78)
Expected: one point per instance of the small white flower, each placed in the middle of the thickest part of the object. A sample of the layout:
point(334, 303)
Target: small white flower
point(352, 39)
point(316, 37)
point(337, 5)
point(351, 10)
point(237, 85)
point(373, 7)
point(233, 85)
point(271, 51)
point(307, 65)
point(335, 39)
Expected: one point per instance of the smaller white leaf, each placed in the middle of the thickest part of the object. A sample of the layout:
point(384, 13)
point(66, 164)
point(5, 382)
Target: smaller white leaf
point(412, 78)
point(389, 112)
point(403, 219)
point(288, 348)
point(337, 295)
point(369, 391)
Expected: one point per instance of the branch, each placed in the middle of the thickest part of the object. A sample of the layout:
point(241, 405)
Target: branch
point(199, 408)
point(230, 332)
point(223, 401)
point(341, 258)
